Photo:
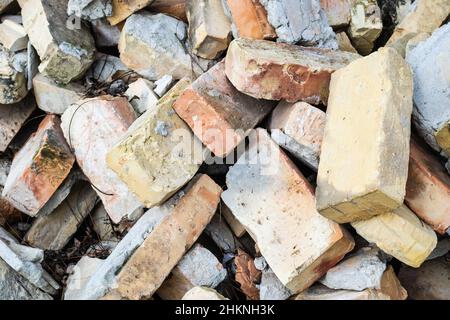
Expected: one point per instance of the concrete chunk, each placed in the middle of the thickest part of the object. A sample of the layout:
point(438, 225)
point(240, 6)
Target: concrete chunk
point(219, 115)
point(80, 273)
point(13, 36)
point(159, 154)
point(53, 232)
point(266, 70)
point(275, 203)
point(66, 53)
point(429, 61)
point(92, 127)
point(89, 9)
point(39, 168)
point(141, 95)
point(12, 118)
point(209, 28)
point(53, 97)
point(299, 129)
point(202, 293)
point(300, 21)
point(152, 262)
point(368, 127)
point(198, 267)
point(365, 26)
point(250, 20)
point(428, 189)
point(400, 234)
point(156, 45)
point(13, 87)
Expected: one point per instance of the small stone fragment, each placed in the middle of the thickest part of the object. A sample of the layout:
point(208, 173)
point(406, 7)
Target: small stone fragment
point(27, 262)
point(250, 20)
point(89, 9)
point(247, 275)
point(209, 28)
point(13, 87)
point(300, 21)
point(368, 126)
point(400, 234)
point(429, 61)
point(361, 271)
point(198, 267)
point(201, 293)
point(106, 68)
point(66, 53)
point(92, 127)
point(13, 36)
point(299, 128)
point(218, 114)
point(141, 95)
point(337, 12)
point(237, 228)
point(276, 204)
point(428, 189)
point(12, 118)
point(124, 9)
point(159, 154)
point(221, 234)
point(53, 232)
point(39, 168)
point(344, 42)
point(391, 286)
point(81, 273)
point(152, 262)
point(53, 97)
point(430, 282)
point(163, 85)
point(156, 45)
point(267, 70)
point(365, 26)
point(271, 287)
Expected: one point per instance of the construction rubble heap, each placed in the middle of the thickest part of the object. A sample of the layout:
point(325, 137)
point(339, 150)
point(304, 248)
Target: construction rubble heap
point(224, 149)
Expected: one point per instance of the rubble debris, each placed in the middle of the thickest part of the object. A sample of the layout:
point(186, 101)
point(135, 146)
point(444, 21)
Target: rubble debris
point(13, 87)
point(141, 95)
point(303, 22)
point(218, 114)
point(299, 128)
point(107, 68)
point(123, 9)
point(337, 12)
point(266, 70)
point(358, 272)
point(53, 231)
point(221, 234)
point(247, 275)
point(263, 183)
point(431, 94)
point(89, 9)
point(66, 53)
point(163, 85)
point(428, 189)
point(209, 28)
point(92, 127)
point(346, 192)
point(401, 234)
point(365, 26)
point(198, 267)
point(12, 118)
point(425, 16)
point(249, 20)
point(152, 262)
point(39, 168)
point(13, 36)
point(237, 228)
point(158, 49)
point(13, 286)
point(202, 293)
point(429, 282)
point(159, 154)
point(54, 98)
point(27, 262)
point(80, 273)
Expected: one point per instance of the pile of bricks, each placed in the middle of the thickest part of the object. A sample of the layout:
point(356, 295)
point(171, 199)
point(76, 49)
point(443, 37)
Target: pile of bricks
point(225, 149)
